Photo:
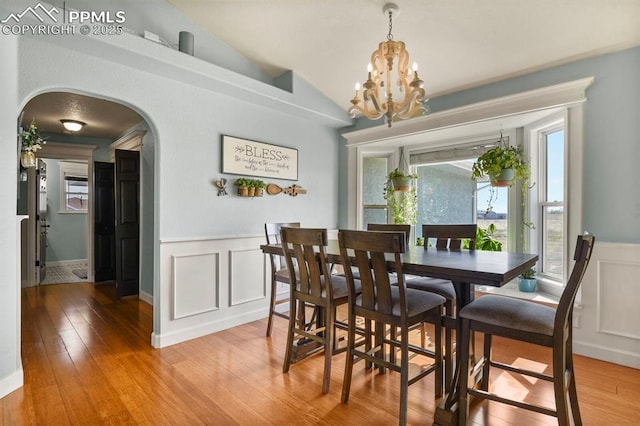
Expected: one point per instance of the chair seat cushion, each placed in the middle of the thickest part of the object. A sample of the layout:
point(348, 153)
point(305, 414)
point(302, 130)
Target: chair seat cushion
point(511, 313)
point(434, 285)
point(417, 301)
point(339, 285)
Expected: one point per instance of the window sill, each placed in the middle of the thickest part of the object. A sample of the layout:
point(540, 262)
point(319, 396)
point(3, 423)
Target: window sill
point(511, 290)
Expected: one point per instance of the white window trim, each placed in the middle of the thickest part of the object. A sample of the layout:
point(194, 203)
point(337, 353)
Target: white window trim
point(73, 169)
point(392, 156)
point(572, 119)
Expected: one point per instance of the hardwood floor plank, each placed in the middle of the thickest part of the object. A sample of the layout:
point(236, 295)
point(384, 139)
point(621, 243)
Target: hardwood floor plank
point(87, 360)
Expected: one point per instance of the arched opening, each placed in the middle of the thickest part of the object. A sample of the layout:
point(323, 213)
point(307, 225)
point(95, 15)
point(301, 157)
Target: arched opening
point(72, 215)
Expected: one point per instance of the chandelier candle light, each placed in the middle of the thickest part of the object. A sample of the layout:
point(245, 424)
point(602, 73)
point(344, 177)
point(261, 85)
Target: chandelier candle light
point(380, 80)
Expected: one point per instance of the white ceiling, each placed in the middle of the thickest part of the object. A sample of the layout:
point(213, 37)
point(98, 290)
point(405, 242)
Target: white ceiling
point(457, 43)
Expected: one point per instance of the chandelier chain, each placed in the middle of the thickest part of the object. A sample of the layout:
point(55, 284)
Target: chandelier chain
point(390, 36)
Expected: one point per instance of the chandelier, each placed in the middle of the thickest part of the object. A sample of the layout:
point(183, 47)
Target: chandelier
point(404, 85)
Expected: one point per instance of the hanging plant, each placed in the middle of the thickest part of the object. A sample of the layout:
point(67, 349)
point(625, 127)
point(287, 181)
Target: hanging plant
point(403, 204)
point(503, 165)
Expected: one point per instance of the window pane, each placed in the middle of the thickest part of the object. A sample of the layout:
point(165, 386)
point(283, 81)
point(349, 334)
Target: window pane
point(555, 166)
point(372, 215)
point(77, 202)
point(552, 240)
point(374, 176)
point(493, 209)
point(445, 194)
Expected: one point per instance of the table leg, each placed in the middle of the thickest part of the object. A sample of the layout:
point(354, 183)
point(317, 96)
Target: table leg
point(447, 410)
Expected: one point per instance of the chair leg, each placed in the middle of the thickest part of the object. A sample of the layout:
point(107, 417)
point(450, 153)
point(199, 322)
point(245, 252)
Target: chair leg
point(404, 375)
point(272, 307)
point(348, 366)
point(438, 360)
point(560, 386)
point(290, 334)
point(328, 346)
point(448, 345)
point(484, 383)
point(573, 393)
point(367, 346)
point(379, 337)
point(463, 381)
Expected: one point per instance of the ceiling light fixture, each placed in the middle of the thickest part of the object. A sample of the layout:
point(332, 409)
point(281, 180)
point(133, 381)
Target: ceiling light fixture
point(72, 125)
point(380, 80)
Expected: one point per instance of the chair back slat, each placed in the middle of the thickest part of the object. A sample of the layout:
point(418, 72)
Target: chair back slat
point(392, 227)
point(369, 249)
point(305, 247)
point(450, 236)
point(582, 256)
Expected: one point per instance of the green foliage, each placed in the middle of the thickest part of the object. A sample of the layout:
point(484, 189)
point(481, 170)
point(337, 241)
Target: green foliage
point(403, 205)
point(257, 183)
point(492, 162)
point(485, 239)
point(30, 139)
point(396, 173)
point(420, 241)
point(528, 273)
point(242, 182)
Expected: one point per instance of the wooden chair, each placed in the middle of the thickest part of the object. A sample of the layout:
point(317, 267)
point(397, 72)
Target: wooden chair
point(447, 237)
point(392, 227)
point(533, 323)
point(279, 271)
point(387, 305)
point(315, 288)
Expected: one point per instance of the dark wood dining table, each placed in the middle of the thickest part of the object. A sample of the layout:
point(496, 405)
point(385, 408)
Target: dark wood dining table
point(465, 268)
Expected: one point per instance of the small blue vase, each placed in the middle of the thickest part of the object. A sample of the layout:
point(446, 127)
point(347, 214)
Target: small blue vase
point(527, 285)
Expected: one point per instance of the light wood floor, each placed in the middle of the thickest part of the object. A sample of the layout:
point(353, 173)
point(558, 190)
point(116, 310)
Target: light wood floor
point(87, 360)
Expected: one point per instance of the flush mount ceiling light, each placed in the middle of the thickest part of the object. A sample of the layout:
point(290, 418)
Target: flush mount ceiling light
point(72, 125)
point(404, 85)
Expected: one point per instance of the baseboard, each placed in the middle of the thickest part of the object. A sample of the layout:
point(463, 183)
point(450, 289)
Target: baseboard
point(167, 339)
point(146, 297)
point(66, 262)
point(608, 354)
point(10, 383)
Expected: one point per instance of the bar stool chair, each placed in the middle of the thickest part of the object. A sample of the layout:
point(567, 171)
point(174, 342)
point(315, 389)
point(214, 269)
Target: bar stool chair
point(447, 237)
point(316, 288)
point(387, 305)
point(279, 271)
point(533, 323)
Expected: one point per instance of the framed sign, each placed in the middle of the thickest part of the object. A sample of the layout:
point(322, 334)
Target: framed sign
point(251, 158)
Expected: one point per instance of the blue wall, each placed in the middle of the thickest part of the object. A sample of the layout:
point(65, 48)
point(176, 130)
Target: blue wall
point(611, 129)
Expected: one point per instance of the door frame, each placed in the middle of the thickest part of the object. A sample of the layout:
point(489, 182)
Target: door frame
point(63, 151)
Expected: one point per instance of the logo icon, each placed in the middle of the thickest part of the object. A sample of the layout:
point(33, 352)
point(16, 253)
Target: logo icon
point(39, 11)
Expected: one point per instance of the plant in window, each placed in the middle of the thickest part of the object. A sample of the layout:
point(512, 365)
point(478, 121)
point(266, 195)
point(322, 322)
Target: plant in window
point(527, 281)
point(503, 165)
point(403, 204)
point(400, 180)
point(485, 239)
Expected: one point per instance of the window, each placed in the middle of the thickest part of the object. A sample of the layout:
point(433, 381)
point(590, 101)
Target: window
point(548, 150)
point(374, 176)
point(74, 189)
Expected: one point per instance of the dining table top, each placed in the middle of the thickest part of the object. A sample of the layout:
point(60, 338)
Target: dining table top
point(465, 266)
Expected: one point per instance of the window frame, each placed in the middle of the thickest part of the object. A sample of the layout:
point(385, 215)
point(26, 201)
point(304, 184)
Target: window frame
point(72, 169)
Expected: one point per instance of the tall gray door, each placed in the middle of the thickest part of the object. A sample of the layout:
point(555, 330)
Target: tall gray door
point(127, 191)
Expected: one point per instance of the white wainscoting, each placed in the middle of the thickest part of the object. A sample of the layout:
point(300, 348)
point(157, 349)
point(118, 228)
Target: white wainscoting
point(208, 285)
point(609, 317)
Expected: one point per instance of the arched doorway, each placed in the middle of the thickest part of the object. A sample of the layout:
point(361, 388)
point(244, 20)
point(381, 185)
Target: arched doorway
point(108, 126)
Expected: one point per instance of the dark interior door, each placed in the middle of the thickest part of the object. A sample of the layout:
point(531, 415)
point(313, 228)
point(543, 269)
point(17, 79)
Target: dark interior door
point(104, 239)
point(127, 222)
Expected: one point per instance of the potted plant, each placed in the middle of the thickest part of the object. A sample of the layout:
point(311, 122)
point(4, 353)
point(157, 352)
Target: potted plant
point(485, 239)
point(503, 165)
point(259, 186)
point(527, 281)
point(402, 204)
point(400, 180)
point(243, 186)
point(30, 142)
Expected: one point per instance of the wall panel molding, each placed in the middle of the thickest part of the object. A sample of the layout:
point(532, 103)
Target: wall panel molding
point(196, 284)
